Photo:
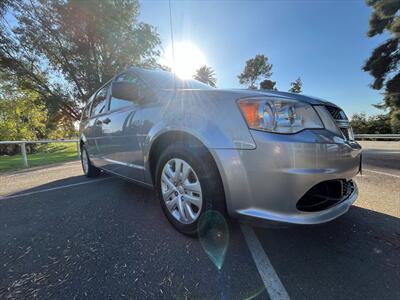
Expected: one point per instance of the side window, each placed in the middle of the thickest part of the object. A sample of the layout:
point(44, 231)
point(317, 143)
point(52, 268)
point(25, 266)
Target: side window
point(128, 77)
point(116, 103)
point(100, 101)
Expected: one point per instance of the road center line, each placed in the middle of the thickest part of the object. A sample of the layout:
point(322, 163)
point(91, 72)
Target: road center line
point(272, 283)
point(382, 173)
point(54, 188)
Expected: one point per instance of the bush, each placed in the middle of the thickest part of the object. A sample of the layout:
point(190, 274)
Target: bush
point(22, 117)
point(378, 124)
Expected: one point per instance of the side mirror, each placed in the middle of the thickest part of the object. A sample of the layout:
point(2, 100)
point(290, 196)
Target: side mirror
point(125, 90)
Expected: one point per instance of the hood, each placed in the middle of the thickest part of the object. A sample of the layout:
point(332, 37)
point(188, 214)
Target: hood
point(285, 95)
point(243, 93)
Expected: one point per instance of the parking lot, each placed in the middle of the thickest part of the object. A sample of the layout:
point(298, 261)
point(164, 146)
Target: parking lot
point(65, 236)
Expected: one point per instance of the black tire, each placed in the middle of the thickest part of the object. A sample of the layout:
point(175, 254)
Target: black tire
point(90, 171)
point(202, 163)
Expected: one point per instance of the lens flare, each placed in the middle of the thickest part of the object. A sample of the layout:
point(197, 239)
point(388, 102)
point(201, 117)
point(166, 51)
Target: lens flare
point(214, 236)
point(185, 60)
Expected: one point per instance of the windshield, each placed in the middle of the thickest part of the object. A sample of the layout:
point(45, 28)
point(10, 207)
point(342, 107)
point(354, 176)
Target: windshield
point(165, 80)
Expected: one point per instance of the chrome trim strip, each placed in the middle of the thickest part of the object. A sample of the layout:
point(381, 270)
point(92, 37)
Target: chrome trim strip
point(124, 164)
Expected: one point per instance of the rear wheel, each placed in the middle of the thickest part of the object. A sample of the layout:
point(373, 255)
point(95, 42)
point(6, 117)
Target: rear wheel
point(188, 185)
point(88, 169)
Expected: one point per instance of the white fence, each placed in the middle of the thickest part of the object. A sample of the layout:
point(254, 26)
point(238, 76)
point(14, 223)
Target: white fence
point(23, 148)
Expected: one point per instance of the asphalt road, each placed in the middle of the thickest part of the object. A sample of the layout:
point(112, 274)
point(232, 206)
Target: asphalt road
point(65, 236)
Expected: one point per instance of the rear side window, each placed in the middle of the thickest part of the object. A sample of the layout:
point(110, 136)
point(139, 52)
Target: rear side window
point(100, 101)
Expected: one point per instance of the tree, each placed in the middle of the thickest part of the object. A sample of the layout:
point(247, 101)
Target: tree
point(374, 124)
point(384, 62)
point(165, 68)
point(206, 75)
point(4, 6)
point(22, 116)
point(256, 69)
point(268, 85)
point(66, 49)
point(296, 86)
point(358, 123)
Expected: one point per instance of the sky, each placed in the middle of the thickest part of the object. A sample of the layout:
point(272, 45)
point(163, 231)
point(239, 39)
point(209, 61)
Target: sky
point(323, 42)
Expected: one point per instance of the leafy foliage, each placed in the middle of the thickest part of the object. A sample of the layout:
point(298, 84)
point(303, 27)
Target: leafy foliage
point(268, 85)
point(374, 124)
point(66, 49)
point(206, 75)
point(22, 116)
point(4, 6)
point(296, 86)
point(384, 62)
point(256, 69)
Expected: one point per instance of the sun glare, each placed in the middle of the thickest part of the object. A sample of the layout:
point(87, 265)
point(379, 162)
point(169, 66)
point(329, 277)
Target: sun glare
point(186, 60)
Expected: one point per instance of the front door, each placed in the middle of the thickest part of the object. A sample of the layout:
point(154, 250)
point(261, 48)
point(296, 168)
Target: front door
point(121, 151)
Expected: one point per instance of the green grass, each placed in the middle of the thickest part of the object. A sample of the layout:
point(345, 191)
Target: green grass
point(46, 154)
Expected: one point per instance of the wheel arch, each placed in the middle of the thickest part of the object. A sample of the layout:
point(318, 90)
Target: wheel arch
point(167, 138)
point(82, 141)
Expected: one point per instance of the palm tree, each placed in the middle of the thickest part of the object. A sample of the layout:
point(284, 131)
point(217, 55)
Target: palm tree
point(206, 75)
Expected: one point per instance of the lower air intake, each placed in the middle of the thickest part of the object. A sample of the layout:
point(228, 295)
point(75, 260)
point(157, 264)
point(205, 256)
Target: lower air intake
point(325, 195)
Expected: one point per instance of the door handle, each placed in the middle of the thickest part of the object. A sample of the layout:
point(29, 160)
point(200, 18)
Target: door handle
point(106, 121)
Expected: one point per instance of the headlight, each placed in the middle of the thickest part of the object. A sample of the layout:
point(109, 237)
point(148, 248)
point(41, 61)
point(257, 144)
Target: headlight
point(281, 116)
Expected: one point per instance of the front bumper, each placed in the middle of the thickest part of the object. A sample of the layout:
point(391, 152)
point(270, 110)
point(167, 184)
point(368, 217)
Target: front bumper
point(267, 182)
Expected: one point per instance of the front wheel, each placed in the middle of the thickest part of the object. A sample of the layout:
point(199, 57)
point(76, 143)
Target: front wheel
point(188, 185)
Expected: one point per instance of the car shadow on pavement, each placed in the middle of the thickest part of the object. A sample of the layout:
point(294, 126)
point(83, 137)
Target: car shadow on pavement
point(110, 239)
point(352, 257)
point(59, 183)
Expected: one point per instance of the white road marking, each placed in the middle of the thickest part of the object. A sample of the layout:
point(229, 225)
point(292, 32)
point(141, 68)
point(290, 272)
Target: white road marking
point(382, 173)
point(272, 283)
point(53, 189)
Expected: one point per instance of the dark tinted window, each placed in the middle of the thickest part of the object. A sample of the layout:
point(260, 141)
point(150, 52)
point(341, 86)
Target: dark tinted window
point(100, 101)
point(116, 103)
point(127, 77)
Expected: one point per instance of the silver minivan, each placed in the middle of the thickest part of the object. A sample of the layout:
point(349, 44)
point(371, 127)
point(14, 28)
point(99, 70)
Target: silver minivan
point(250, 154)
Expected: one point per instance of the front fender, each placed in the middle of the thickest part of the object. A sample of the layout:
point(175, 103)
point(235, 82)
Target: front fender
point(216, 123)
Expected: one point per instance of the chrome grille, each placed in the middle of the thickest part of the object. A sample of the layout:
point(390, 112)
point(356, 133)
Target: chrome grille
point(336, 113)
point(341, 121)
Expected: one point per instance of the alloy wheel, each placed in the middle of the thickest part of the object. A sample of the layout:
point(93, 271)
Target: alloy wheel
point(181, 191)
